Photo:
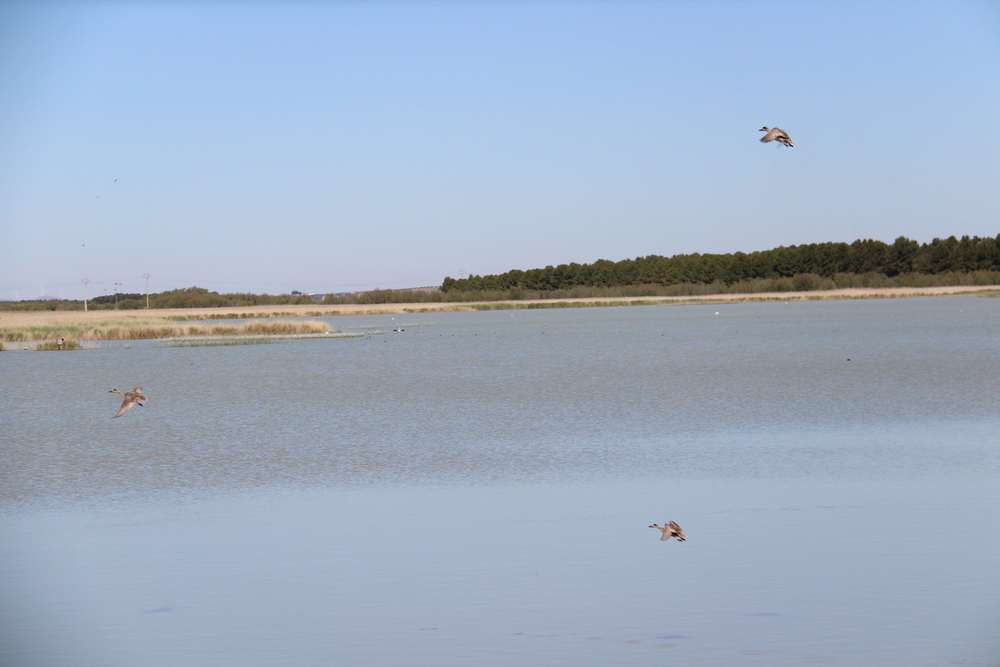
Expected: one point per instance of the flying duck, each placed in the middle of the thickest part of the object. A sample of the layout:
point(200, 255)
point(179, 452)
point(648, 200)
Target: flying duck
point(670, 530)
point(133, 397)
point(775, 134)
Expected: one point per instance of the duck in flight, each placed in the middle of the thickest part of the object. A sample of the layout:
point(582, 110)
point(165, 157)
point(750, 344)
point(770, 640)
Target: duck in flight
point(776, 134)
point(134, 397)
point(670, 530)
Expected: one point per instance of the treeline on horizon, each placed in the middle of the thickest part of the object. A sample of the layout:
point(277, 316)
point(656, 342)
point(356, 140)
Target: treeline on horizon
point(820, 266)
point(188, 297)
point(833, 264)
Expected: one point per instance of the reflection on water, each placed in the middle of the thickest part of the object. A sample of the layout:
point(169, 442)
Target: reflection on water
point(477, 489)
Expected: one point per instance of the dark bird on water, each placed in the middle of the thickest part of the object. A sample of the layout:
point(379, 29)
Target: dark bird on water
point(670, 530)
point(775, 134)
point(134, 397)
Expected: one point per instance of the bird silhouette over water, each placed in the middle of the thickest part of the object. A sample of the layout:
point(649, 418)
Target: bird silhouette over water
point(670, 530)
point(776, 134)
point(134, 397)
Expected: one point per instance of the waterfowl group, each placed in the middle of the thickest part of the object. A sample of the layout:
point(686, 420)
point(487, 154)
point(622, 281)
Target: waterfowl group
point(670, 530)
point(134, 397)
point(775, 134)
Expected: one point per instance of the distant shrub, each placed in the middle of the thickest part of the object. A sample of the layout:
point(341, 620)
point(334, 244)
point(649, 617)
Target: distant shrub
point(806, 282)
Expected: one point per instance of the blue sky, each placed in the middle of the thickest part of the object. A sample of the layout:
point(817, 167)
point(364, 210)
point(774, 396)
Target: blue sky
point(333, 146)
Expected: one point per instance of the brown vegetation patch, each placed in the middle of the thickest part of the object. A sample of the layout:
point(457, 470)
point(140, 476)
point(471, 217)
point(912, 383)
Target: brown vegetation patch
point(46, 326)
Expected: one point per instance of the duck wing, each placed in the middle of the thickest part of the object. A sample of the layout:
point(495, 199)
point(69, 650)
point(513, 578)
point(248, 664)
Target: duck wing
point(126, 406)
point(678, 532)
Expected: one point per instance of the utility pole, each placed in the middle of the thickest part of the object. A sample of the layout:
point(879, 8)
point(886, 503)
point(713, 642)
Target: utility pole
point(146, 276)
point(85, 281)
point(117, 285)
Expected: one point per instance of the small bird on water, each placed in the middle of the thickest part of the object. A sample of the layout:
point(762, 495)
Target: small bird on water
point(776, 134)
point(133, 397)
point(670, 530)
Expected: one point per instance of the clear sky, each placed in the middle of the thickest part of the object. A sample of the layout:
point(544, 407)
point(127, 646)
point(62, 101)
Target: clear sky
point(334, 146)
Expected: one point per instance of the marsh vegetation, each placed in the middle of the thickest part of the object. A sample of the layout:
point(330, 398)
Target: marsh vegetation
point(59, 344)
point(152, 327)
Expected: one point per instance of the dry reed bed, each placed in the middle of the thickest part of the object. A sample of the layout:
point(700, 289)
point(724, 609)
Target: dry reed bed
point(136, 330)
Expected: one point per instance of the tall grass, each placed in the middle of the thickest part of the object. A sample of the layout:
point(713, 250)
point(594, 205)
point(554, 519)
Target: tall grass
point(163, 329)
point(282, 327)
point(232, 316)
point(56, 345)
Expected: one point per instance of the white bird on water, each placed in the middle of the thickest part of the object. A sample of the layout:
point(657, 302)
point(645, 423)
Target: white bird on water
point(670, 530)
point(133, 397)
point(775, 134)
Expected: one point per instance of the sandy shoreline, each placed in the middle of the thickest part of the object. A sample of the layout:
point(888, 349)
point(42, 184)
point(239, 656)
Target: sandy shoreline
point(63, 318)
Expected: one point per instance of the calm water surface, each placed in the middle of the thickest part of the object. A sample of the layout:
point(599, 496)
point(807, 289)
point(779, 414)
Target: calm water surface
point(476, 491)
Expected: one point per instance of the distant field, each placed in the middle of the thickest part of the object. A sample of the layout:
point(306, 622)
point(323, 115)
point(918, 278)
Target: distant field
point(173, 322)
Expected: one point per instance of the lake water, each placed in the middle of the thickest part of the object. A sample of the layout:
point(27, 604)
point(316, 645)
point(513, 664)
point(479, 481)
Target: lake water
point(476, 491)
